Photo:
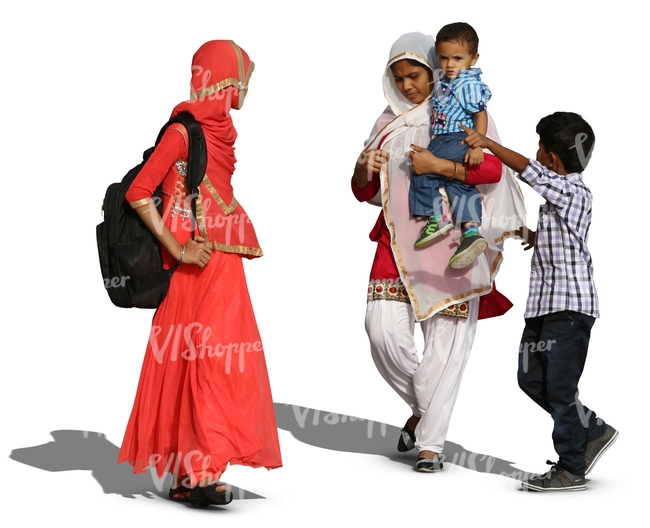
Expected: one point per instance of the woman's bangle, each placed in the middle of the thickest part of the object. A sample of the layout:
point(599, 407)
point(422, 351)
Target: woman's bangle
point(182, 253)
point(455, 172)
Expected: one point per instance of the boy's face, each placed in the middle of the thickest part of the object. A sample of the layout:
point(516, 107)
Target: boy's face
point(454, 57)
point(413, 82)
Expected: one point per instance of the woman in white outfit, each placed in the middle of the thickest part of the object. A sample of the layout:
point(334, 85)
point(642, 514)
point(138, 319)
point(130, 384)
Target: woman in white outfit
point(409, 285)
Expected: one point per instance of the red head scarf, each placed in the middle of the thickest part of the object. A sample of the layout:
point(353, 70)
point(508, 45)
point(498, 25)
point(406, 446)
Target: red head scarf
point(220, 74)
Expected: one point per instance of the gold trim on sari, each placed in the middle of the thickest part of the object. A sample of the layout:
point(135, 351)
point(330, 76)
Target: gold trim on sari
point(227, 209)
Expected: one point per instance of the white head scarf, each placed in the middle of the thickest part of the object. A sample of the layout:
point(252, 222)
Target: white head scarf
point(431, 284)
point(414, 46)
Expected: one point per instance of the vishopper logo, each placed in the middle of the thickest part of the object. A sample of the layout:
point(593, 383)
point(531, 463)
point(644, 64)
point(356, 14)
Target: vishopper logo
point(585, 416)
point(579, 141)
point(185, 222)
point(181, 464)
point(116, 282)
point(333, 419)
point(192, 341)
point(208, 95)
point(532, 347)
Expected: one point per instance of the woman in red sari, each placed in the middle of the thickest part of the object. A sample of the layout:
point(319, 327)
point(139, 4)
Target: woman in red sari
point(203, 399)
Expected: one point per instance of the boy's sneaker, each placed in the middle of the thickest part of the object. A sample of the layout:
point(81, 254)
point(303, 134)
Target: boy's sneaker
point(557, 479)
point(469, 250)
point(432, 230)
point(596, 448)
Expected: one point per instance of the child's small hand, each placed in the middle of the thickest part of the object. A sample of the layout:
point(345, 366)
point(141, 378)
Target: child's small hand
point(474, 139)
point(528, 237)
point(474, 156)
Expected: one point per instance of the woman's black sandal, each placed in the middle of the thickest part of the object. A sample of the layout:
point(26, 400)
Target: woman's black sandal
point(180, 490)
point(204, 496)
point(428, 465)
point(406, 439)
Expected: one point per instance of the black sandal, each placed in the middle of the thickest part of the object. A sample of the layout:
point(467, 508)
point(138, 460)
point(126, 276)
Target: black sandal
point(204, 496)
point(428, 465)
point(177, 491)
point(406, 439)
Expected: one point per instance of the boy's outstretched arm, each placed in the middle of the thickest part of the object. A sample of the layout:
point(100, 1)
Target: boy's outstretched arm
point(512, 159)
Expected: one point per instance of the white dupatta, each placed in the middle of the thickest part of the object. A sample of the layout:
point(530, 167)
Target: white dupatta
point(431, 284)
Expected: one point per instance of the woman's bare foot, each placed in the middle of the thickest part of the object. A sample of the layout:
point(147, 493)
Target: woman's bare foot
point(429, 455)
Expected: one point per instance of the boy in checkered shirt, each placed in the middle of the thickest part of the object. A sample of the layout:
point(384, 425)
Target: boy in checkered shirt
point(562, 302)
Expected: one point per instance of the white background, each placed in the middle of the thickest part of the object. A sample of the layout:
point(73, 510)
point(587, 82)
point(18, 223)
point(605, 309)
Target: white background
point(85, 89)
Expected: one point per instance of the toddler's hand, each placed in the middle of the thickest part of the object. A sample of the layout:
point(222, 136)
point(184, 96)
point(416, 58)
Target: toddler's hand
point(474, 156)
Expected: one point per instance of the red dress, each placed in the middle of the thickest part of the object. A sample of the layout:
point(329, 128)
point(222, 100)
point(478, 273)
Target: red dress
point(203, 399)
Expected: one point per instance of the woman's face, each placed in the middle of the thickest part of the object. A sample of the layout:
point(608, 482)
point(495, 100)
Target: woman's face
point(413, 82)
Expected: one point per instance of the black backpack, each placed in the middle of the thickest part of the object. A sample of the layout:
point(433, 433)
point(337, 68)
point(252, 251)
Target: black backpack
point(129, 253)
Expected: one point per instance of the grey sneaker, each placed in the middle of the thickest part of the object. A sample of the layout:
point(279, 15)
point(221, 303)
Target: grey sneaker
point(469, 250)
point(596, 448)
point(427, 465)
point(557, 479)
point(433, 230)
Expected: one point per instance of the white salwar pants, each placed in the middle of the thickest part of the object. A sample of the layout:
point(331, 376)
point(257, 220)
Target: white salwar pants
point(429, 386)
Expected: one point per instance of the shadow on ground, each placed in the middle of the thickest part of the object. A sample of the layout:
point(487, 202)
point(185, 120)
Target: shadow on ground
point(89, 451)
point(339, 432)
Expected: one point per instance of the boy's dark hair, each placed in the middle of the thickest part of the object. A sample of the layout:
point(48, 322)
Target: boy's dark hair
point(569, 137)
point(459, 32)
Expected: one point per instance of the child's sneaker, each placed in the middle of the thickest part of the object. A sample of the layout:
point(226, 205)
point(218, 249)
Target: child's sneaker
point(596, 448)
point(557, 479)
point(469, 250)
point(432, 230)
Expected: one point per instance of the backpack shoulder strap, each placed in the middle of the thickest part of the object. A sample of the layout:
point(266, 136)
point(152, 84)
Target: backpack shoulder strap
point(197, 157)
point(198, 154)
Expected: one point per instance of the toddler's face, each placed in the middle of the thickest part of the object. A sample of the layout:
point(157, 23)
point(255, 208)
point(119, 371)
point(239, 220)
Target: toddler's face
point(454, 57)
point(413, 82)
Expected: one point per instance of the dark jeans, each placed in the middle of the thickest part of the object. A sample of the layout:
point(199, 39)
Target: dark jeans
point(552, 356)
point(424, 196)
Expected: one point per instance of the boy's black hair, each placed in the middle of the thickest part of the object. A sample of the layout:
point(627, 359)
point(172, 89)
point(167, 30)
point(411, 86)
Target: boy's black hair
point(569, 137)
point(459, 32)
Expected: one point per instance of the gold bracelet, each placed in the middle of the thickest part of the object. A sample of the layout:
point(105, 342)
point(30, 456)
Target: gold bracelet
point(455, 171)
point(182, 253)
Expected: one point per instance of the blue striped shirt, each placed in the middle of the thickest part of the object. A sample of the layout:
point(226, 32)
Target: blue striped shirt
point(561, 272)
point(456, 101)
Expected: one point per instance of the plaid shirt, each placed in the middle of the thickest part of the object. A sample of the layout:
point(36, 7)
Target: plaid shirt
point(561, 274)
